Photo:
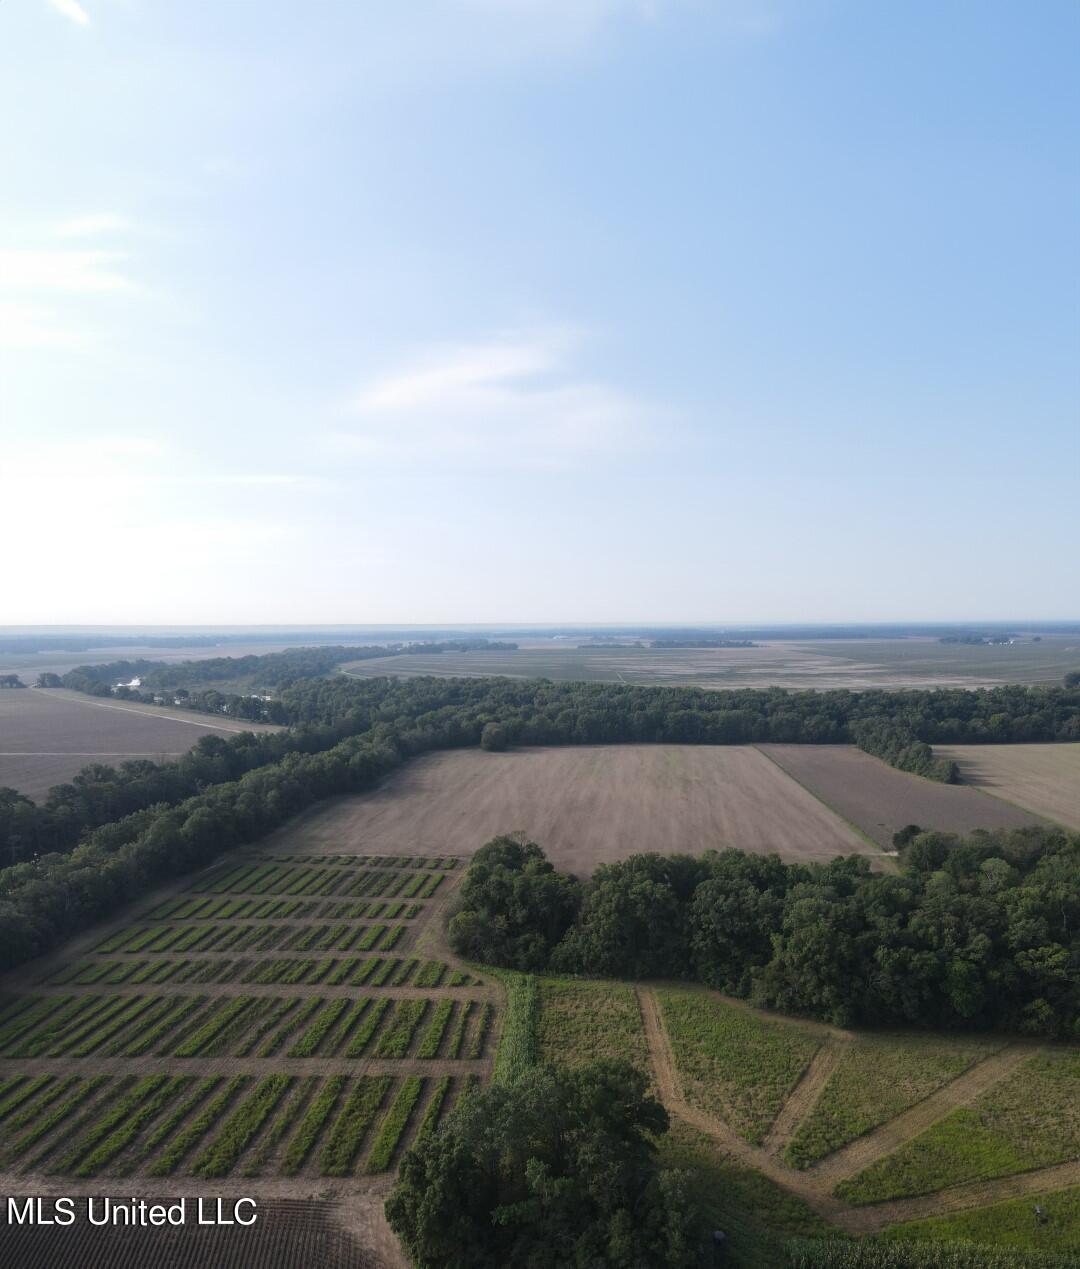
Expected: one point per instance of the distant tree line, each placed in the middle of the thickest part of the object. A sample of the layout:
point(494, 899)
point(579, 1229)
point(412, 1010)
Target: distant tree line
point(703, 643)
point(978, 932)
point(11, 680)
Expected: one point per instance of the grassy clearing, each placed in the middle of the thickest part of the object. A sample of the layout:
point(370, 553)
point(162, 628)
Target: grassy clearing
point(876, 1078)
point(582, 1021)
point(1009, 1224)
point(1030, 1120)
point(519, 1046)
point(733, 1063)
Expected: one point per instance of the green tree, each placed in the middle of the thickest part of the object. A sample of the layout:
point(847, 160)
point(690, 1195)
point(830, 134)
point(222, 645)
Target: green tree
point(556, 1170)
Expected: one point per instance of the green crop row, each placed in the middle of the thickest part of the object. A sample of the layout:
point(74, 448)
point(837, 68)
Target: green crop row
point(436, 1029)
point(197, 1128)
point(394, 1124)
point(317, 1031)
point(241, 1127)
point(311, 1126)
point(395, 1040)
point(347, 1134)
point(457, 1036)
point(282, 1122)
point(130, 1124)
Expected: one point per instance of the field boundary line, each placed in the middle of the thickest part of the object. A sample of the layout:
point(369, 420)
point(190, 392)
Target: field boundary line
point(887, 1137)
point(890, 861)
point(803, 1097)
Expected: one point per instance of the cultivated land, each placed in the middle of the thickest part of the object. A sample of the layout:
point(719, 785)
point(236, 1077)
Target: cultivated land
point(588, 805)
point(1043, 778)
point(879, 799)
point(825, 663)
point(48, 735)
point(280, 1025)
point(748, 1090)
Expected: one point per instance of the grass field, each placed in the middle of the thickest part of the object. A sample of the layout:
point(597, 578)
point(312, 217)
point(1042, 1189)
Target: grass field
point(880, 800)
point(1030, 1120)
point(586, 805)
point(305, 1052)
point(1045, 779)
point(1009, 1224)
point(732, 1062)
point(48, 736)
point(875, 1078)
point(583, 1021)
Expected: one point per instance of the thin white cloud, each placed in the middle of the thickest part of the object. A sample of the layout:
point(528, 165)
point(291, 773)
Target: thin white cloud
point(71, 9)
point(35, 269)
point(92, 225)
point(506, 403)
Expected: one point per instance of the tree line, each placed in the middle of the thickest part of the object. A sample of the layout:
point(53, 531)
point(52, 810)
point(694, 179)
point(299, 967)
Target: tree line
point(980, 932)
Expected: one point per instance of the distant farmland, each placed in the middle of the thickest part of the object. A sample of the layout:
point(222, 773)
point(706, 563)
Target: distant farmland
point(827, 663)
point(586, 805)
point(48, 736)
point(881, 800)
point(1043, 778)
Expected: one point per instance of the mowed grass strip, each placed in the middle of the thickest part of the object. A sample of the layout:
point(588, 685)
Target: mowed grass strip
point(876, 1078)
point(394, 1124)
point(1030, 1120)
point(733, 1063)
point(346, 1137)
point(583, 1021)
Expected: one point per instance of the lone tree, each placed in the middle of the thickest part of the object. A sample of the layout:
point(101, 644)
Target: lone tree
point(557, 1169)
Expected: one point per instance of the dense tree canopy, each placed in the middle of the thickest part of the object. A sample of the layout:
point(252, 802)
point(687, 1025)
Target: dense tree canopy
point(980, 932)
point(555, 1171)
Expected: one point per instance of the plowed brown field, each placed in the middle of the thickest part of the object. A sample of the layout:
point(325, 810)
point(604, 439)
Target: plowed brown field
point(1043, 778)
point(585, 805)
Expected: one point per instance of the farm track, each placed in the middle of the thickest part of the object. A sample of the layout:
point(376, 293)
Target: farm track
point(814, 1186)
point(802, 1097)
point(877, 1143)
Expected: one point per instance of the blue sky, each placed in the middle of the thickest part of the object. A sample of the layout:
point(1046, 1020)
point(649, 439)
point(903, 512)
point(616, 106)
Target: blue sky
point(539, 310)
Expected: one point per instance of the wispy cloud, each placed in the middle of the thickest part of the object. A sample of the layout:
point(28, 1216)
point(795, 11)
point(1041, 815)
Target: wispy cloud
point(92, 225)
point(71, 9)
point(511, 402)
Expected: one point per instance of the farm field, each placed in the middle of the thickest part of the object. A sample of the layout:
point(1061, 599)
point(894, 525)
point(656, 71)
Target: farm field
point(276, 1019)
point(776, 1118)
point(1045, 779)
point(820, 664)
point(48, 735)
point(879, 799)
point(587, 805)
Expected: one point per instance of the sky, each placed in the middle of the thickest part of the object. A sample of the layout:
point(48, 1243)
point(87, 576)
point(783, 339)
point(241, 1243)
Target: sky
point(539, 311)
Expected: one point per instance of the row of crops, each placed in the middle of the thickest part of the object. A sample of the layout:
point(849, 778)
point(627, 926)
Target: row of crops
point(350, 971)
point(198, 1026)
point(277, 878)
point(180, 1124)
point(205, 909)
point(284, 937)
point(445, 862)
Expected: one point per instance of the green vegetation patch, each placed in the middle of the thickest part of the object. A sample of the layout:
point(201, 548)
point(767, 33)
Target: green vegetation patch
point(1029, 1120)
point(731, 1062)
point(584, 1021)
point(876, 1079)
point(1009, 1224)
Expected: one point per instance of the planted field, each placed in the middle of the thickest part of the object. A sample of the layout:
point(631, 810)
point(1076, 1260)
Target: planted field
point(256, 1024)
point(1030, 1120)
point(875, 1078)
point(587, 805)
point(582, 1021)
point(732, 1062)
point(1044, 779)
point(880, 800)
point(50, 735)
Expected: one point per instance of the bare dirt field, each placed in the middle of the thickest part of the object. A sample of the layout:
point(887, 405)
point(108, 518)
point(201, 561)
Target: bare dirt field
point(1043, 778)
point(48, 736)
point(584, 805)
point(881, 800)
